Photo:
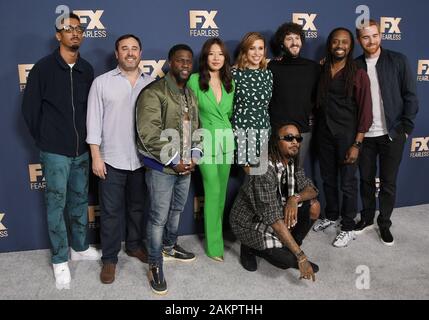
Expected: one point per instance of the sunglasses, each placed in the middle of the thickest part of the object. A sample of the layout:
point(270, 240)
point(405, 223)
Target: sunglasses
point(291, 137)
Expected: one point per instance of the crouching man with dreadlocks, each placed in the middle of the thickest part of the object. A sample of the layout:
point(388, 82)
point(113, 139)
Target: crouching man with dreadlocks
point(273, 212)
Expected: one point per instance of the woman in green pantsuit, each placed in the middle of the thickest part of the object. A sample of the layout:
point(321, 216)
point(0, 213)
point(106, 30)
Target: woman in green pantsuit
point(214, 88)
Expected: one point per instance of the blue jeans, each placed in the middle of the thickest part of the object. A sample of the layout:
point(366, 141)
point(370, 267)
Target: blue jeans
point(168, 194)
point(66, 190)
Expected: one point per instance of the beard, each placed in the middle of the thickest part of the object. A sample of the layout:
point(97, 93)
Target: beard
point(337, 58)
point(288, 54)
point(74, 47)
point(372, 49)
point(179, 78)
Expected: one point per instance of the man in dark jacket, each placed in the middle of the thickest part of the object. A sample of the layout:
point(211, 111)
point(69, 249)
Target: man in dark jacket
point(395, 105)
point(54, 108)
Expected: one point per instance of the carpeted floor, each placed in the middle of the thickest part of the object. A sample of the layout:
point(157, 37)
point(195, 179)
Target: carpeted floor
point(398, 272)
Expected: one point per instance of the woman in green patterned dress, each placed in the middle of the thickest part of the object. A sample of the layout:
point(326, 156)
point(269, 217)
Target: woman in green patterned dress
point(254, 83)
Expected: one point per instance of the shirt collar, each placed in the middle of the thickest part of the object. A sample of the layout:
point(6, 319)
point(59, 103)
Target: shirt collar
point(118, 71)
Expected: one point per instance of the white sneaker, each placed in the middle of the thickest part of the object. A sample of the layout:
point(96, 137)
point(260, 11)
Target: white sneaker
point(343, 238)
point(89, 254)
point(62, 275)
point(323, 224)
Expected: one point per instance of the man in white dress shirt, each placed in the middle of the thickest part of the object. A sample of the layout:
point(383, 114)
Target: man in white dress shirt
point(115, 159)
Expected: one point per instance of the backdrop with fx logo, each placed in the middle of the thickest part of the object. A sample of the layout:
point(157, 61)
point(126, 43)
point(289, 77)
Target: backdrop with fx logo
point(28, 34)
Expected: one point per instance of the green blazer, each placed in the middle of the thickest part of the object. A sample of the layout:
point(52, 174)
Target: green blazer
point(214, 116)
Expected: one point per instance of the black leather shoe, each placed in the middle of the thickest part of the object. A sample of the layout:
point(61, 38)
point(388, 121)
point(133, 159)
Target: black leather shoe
point(247, 258)
point(363, 226)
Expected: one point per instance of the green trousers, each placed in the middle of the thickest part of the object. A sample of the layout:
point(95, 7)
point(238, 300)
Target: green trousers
point(215, 181)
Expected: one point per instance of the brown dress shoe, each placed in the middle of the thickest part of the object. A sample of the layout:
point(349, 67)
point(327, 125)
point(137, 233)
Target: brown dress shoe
point(107, 274)
point(139, 254)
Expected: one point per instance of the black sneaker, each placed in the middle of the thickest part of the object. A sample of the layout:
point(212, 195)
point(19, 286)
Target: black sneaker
point(157, 280)
point(247, 258)
point(178, 253)
point(386, 236)
point(363, 226)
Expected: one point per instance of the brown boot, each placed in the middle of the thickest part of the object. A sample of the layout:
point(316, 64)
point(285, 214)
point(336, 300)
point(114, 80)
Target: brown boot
point(107, 274)
point(139, 254)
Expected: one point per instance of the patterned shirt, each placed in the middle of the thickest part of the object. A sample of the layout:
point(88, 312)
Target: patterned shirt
point(258, 205)
point(253, 88)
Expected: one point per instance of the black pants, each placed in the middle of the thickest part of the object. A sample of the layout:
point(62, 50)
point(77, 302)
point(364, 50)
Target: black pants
point(282, 257)
point(332, 153)
point(122, 190)
point(390, 156)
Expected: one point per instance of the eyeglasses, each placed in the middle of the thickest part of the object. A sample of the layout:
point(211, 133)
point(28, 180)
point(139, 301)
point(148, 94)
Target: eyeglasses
point(291, 137)
point(70, 29)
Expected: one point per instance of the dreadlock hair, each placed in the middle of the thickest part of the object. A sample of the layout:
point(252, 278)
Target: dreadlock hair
point(274, 153)
point(349, 69)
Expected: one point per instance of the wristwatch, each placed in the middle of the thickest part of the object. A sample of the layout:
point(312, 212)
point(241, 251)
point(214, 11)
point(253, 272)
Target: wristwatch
point(357, 144)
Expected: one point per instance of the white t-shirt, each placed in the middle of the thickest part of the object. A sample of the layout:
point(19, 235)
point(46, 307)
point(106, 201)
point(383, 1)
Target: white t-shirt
point(378, 127)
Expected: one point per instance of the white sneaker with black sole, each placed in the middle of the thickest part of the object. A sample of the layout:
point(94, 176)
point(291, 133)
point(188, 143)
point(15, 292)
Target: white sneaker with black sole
point(343, 238)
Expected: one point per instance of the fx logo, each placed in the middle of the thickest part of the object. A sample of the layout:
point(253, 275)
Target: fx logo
point(198, 207)
point(93, 211)
point(391, 24)
point(423, 67)
point(306, 20)
point(23, 71)
point(35, 170)
point(93, 17)
point(155, 66)
point(197, 16)
point(420, 144)
point(2, 226)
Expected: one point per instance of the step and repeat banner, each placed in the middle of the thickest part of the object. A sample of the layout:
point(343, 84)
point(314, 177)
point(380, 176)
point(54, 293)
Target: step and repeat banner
point(28, 34)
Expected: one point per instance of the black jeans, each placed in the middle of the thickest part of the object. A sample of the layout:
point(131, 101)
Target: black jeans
point(389, 153)
point(282, 257)
point(122, 190)
point(332, 152)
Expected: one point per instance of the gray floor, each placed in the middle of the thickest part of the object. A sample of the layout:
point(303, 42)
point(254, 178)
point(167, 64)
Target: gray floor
point(398, 272)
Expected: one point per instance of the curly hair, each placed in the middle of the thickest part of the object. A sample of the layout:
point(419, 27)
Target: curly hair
point(282, 31)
